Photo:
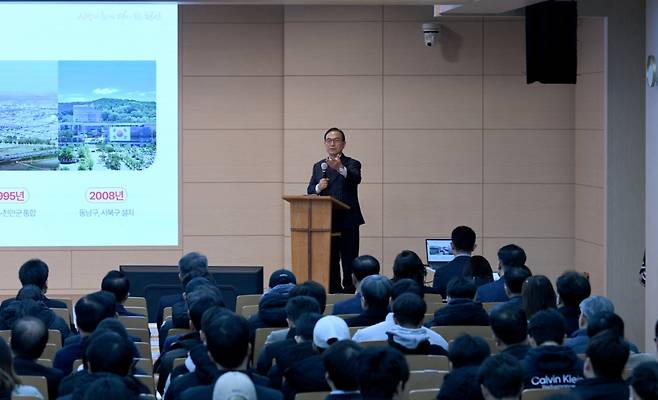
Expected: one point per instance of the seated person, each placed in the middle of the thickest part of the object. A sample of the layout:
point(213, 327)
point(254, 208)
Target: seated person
point(461, 309)
point(610, 321)
point(644, 381)
point(501, 378)
point(295, 308)
point(382, 373)
point(549, 363)
point(308, 375)
point(463, 244)
point(409, 336)
point(117, 283)
point(340, 362)
point(110, 387)
point(514, 278)
point(10, 386)
point(30, 303)
point(466, 353)
point(509, 256)
point(308, 288)
point(362, 266)
point(407, 265)
point(510, 329)
point(226, 338)
point(35, 272)
point(572, 288)
point(108, 354)
point(607, 354)
point(588, 308)
point(538, 294)
point(90, 310)
point(29, 336)
point(272, 305)
point(376, 295)
point(478, 270)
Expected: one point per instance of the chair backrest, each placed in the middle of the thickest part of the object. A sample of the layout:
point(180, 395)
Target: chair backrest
point(249, 310)
point(374, 343)
point(423, 394)
point(177, 362)
point(45, 362)
point(145, 364)
point(346, 316)
point(261, 336)
point(539, 394)
point(134, 322)
point(6, 335)
point(144, 350)
point(433, 298)
point(328, 309)
point(425, 380)
point(353, 330)
point(489, 306)
point(69, 304)
point(62, 313)
point(38, 382)
point(167, 313)
point(135, 302)
point(55, 337)
point(451, 332)
point(419, 362)
point(178, 331)
point(334, 298)
point(428, 318)
point(137, 310)
point(148, 381)
point(143, 334)
point(433, 307)
point(246, 300)
point(311, 396)
point(49, 351)
point(20, 397)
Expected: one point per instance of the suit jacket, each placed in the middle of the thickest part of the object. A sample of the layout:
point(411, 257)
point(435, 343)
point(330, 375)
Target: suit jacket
point(24, 366)
point(460, 312)
point(367, 318)
point(492, 292)
point(452, 269)
point(349, 306)
point(343, 189)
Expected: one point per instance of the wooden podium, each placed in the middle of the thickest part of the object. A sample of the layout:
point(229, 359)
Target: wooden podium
point(310, 230)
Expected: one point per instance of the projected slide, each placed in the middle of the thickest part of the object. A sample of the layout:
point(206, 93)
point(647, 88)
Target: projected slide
point(88, 125)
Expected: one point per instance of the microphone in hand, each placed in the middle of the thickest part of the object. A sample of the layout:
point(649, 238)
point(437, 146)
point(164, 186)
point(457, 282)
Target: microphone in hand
point(324, 167)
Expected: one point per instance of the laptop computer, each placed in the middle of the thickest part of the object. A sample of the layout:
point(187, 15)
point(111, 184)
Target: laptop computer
point(438, 252)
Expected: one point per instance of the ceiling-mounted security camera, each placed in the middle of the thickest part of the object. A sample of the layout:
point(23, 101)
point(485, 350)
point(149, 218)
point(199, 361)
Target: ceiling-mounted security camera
point(430, 33)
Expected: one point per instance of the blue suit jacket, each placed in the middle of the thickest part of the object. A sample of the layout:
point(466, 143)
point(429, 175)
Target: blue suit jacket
point(492, 292)
point(444, 274)
point(349, 306)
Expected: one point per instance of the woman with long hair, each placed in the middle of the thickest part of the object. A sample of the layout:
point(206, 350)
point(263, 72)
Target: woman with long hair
point(538, 294)
point(9, 382)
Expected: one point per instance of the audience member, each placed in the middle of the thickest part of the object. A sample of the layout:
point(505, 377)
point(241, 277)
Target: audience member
point(588, 308)
point(644, 381)
point(549, 363)
point(272, 305)
point(407, 265)
point(610, 321)
point(117, 283)
point(510, 328)
point(110, 388)
point(10, 384)
point(116, 326)
point(340, 362)
point(310, 289)
point(376, 295)
point(514, 278)
point(606, 356)
point(409, 336)
point(466, 353)
point(30, 303)
point(461, 309)
point(234, 385)
point(463, 244)
point(572, 288)
point(538, 294)
point(509, 256)
point(35, 272)
point(382, 373)
point(479, 271)
point(501, 378)
point(362, 266)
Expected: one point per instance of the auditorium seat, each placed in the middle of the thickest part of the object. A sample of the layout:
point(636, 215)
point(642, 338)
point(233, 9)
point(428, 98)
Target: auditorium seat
point(49, 351)
point(539, 394)
point(451, 332)
point(346, 316)
point(134, 322)
point(311, 396)
point(489, 306)
point(246, 300)
point(433, 298)
point(137, 310)
point(249, 310)
point(423, 394)
point(167, 313)
point(261, 336)
point(55, 337)
point(328, 309)
point(45, 362)
point(17, 397)
point(38, 382)
point(63, 313)
point(178, 331)
point(135, 302)
point(433, 307)
point(420, 362)
point(374, 343)
point(425, 380)
point(177, 362)
point(144, 350)
point(334, 298)
point(145, 364)
point(148, 381)
point(143, 334)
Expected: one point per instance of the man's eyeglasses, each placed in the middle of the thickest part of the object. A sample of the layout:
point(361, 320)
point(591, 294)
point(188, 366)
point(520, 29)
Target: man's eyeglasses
point(333, 141)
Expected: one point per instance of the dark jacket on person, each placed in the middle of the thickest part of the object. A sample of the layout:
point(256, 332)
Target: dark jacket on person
point(17, 309)
point(518, 351)
point(601, 389)
point(571, 316)
point(349, 306)
point(286, 359)
point(515, 301)
point(461, 384)
point(179, 349)
point(413, 344)
point(344, 396)
point(549, 366)
point(205, 392)
point(167, 301)
point(73, 387)
point(368, 317)
point(270, 352)
point(25, 366)
point(493, 292)
point(271, 309)
point(307, 375)
point(71, 351)
point(50, 303)
point(460, 312)
point(121, 311)
point(444, 274)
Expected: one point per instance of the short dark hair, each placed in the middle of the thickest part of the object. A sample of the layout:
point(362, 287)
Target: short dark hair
point(605, 320)
point(407, 265)
point(463, 238)
point(300, 305)
point(573, 287)
point(515, 277)
point(502, 375)
point(461, 287)
point(227, 338)
point(108, 388)
point(312, 289)
point(199, 282)
point(403, 286)
point(113, 325)
point(109, 352)
point(511, 255)
point(365, 265)
point(34, 272)
point(192, 261)
point(29, 336)
point(547, 326)
point(30, 292)
point(198, 302)
point(538, 294)
point(91, 309)
point(478, 268)
point(608, 353)
point(117, 283)
point(305, 325)
point(340, 362)
point(409, 309)
point(468, 350)
point(334, 129)
point(381, 369)
point(376, 291)
point(644, 380)
point(509, 324)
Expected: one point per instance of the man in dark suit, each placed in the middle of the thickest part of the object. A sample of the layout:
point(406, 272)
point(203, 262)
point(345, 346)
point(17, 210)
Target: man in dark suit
point(463, 244)
point(376, 290)
point(35, 272)
point(362, 267)
point(28, 339)
point(340, 179)
point(510, 255)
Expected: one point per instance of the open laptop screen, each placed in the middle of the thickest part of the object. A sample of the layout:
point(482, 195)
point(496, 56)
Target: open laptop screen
point(438, 251)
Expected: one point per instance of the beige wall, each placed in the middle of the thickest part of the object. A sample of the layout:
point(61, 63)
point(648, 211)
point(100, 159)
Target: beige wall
point(447, 135)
